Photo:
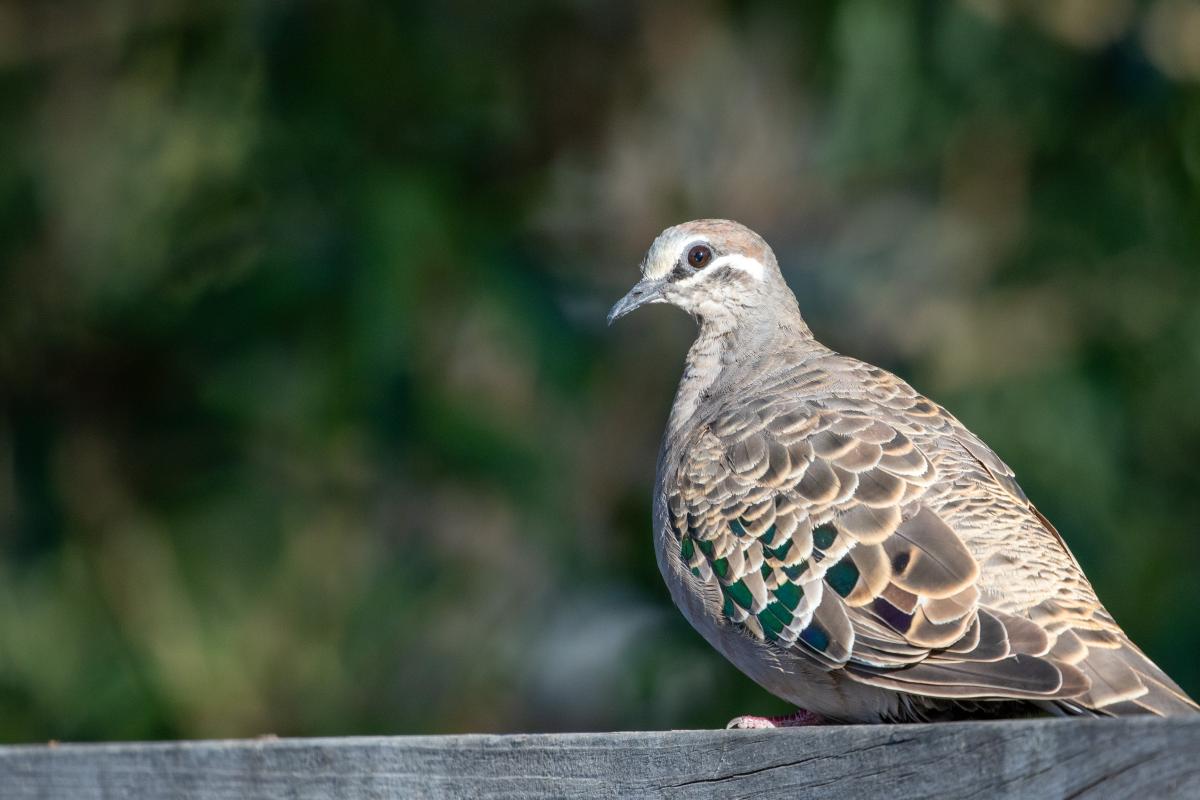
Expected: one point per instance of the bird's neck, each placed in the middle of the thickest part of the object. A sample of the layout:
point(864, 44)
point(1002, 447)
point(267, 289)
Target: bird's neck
point(726, 348)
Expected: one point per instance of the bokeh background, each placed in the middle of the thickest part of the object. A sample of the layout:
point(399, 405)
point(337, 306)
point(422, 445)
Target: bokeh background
point(309, 420)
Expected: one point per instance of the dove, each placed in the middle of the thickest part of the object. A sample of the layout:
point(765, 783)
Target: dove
point(845, 541)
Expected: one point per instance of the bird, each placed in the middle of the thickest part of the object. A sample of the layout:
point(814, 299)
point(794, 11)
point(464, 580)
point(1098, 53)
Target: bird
point(845, 541)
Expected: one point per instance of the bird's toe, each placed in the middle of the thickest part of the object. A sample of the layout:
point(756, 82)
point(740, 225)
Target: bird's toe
point(748, 722)
point(801, 718)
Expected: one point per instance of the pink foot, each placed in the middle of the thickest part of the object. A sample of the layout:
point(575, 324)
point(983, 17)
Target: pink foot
point(800, 719)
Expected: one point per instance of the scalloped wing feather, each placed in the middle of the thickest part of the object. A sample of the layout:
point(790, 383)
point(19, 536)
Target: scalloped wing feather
point(811, 524)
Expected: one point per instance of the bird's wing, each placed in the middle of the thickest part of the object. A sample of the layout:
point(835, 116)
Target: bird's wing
point(1123, 679)
point(811, 522)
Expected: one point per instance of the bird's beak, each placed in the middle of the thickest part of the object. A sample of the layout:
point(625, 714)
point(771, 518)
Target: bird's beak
point(647, 290)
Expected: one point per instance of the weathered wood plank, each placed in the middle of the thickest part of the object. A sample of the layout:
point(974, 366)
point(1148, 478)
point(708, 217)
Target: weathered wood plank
point(1026, 759)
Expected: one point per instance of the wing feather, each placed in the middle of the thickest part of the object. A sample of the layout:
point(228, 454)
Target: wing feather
point(812, 524)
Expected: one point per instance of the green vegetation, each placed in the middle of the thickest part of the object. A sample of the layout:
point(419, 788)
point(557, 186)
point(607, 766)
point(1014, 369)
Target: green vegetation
point(309, 421)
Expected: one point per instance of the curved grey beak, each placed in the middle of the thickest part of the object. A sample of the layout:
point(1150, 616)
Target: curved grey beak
point(647, 290)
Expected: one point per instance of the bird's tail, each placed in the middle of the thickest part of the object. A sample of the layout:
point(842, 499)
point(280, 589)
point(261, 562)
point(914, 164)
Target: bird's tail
point(1125, 682)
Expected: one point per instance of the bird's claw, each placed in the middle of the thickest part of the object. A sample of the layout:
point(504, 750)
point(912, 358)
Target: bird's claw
point(800, 719)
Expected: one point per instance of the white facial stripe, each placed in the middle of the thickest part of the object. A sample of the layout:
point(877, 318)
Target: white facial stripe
point(751, 266)
point(745, 263)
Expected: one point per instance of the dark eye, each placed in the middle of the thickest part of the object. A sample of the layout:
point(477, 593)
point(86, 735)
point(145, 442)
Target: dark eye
point(699, 256)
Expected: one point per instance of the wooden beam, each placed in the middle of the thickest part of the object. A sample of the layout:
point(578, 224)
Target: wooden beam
point(1132, 757)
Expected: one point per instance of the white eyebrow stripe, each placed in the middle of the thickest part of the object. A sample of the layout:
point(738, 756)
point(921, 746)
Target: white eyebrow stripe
point(662, 269)
point(751, 266)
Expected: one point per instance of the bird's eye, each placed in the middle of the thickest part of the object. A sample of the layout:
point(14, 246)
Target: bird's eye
point(699, 256)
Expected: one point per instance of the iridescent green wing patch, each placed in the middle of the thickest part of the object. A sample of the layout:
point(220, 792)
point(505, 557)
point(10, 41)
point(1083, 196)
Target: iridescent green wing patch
point(792, 513)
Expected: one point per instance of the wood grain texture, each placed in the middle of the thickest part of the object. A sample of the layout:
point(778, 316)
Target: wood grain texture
point(1090, 758)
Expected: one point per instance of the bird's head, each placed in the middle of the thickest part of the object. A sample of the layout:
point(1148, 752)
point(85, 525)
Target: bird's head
point(717, 270)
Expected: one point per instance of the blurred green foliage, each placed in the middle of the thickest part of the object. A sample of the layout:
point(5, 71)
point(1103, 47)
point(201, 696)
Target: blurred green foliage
point(309, 423)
